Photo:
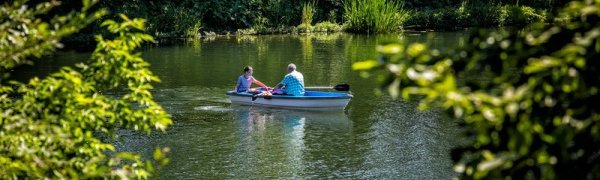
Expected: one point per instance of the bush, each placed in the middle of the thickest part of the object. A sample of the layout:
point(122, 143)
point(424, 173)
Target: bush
point(327, 27)
point(523, 15)
point(443, 18)
point(62, 126)
point(170, 19)
point(303, 28)
point(475, 16)
point(249, 31)
point(485, 15)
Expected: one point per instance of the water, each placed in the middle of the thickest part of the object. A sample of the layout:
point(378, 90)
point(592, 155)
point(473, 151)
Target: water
point(373, 138)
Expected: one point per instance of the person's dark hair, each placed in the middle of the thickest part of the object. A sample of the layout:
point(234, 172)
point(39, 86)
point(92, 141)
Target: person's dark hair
point(247, 68)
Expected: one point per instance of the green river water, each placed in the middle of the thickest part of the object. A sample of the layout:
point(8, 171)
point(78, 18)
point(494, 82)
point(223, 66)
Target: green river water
point(373, 138)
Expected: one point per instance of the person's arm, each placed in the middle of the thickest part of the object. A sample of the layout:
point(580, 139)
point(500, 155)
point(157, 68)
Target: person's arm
point(283, 82)
point(257, 82)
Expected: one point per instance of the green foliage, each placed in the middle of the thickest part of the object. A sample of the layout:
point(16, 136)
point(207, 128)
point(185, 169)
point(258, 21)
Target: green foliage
point(305, 28)
point(194, 31)
point(442, 18)
point(436, 4)
point(308, 11)
point(165, 18)
point(327, 27)
point(23, 35)
point(527, 100)
point(249, 31)
point(173, 17)
point(266, 30)
point(332, 17)
point(260, 24)
point(57, 127)
point(374, 16)
point(505, 15)
point(480, 15)
point(185, 18)
point(523, 15)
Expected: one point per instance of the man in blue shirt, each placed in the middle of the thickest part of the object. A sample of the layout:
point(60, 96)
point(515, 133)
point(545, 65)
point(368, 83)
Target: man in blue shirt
point(293, 82)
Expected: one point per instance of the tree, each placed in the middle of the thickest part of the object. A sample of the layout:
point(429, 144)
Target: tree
point(526, 99)
point(52, 127)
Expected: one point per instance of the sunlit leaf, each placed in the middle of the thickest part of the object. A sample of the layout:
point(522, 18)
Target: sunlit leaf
point(415, 49)
point(365, 65)
point(389, 49)
point(52, 127)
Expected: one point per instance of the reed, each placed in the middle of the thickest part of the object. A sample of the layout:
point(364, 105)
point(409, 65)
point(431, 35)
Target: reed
point(308, 11)
point(374, 16)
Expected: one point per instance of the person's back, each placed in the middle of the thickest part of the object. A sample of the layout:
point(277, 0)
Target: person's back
point(293, 82)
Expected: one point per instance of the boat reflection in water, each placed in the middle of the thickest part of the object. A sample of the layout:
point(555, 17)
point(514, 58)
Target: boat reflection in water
point(273, 142)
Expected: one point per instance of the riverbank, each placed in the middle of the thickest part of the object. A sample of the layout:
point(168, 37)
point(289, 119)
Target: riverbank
point(194, 20)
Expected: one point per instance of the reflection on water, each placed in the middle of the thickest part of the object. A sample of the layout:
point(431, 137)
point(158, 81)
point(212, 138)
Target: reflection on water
point(271, 142)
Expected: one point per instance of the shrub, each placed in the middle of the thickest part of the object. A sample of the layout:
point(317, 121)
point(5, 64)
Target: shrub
point(523, 15)
point(485, 15)
point(305, 28)
point(332, 17)
point(249, 31)
point(327, 27)
point(481, 15)
point(442, 18)
point(60, 126)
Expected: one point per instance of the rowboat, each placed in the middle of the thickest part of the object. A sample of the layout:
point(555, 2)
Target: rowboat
point(311, 100)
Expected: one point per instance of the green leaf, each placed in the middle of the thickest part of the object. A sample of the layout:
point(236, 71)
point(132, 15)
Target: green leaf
point(388, 49)
point(365, 65)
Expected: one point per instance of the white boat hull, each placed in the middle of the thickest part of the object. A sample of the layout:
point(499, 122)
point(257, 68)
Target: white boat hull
point(307, 102)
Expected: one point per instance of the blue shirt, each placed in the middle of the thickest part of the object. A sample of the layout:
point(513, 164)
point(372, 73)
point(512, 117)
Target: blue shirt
point(243, 83)
point(293, 84)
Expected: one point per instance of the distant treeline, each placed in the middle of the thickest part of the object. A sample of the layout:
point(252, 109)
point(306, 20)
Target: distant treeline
point(545, 4)
point(177, 18)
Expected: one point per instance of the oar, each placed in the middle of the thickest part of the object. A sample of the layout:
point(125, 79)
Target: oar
point(339, 87)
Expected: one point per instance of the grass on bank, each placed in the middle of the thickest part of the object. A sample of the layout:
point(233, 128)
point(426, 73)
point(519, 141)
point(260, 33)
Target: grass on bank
point(374, 16)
